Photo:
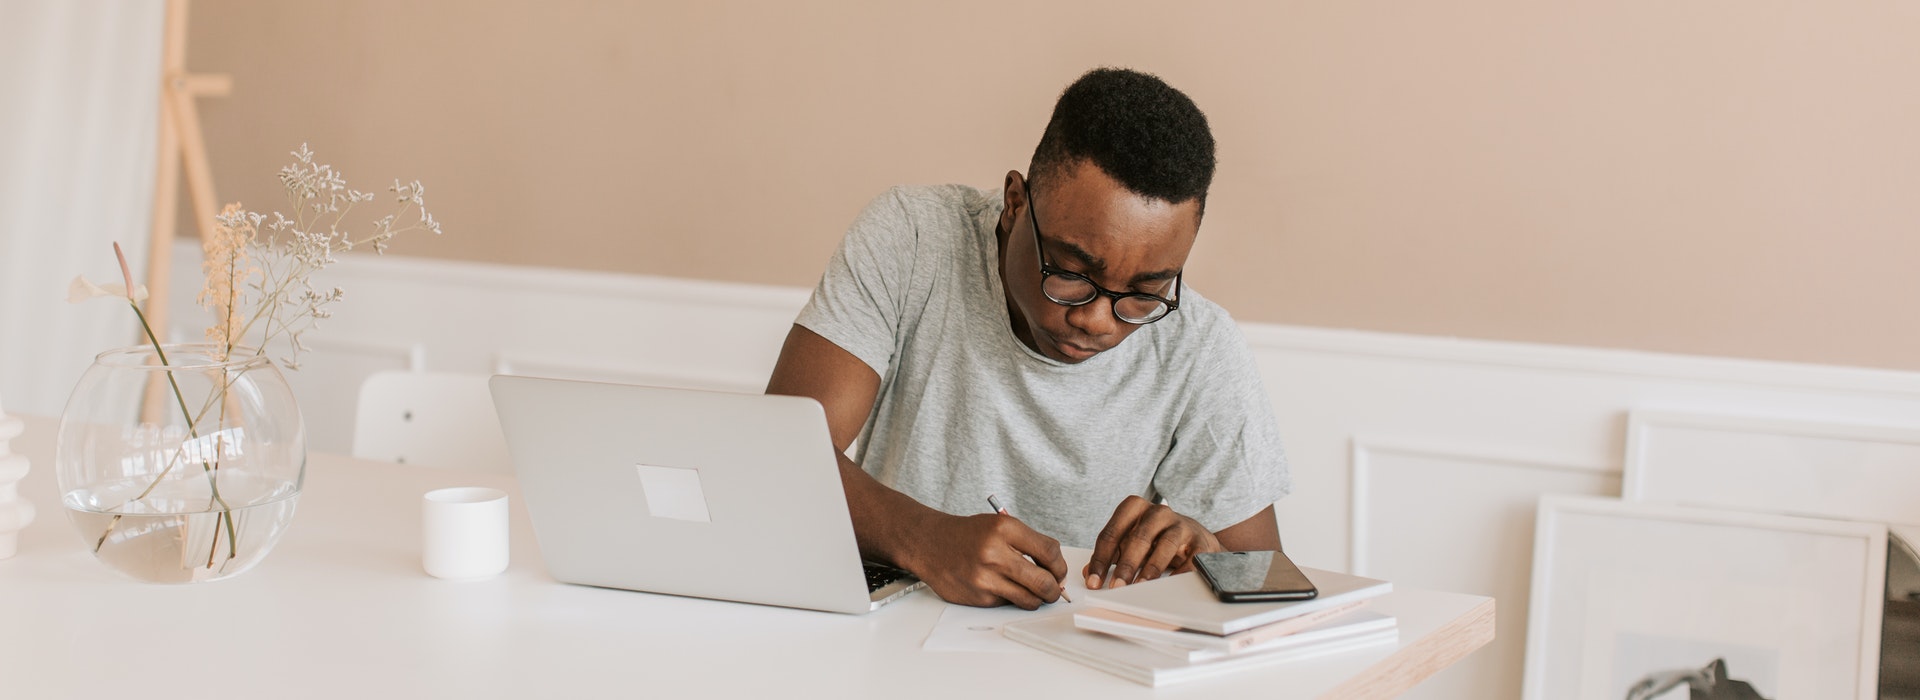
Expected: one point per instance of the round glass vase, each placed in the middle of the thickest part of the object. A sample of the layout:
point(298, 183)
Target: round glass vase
point(185, 470)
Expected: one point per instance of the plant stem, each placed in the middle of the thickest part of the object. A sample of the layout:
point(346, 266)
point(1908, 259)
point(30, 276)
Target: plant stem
point(213, 482)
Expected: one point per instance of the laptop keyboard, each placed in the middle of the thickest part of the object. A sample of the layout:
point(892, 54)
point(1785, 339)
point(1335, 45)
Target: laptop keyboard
point(879, 575)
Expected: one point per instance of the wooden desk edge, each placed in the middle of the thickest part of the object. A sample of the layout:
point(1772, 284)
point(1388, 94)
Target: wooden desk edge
point(1416, 662)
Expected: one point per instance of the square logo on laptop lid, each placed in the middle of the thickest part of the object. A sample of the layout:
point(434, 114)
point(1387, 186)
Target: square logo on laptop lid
point(673, 492)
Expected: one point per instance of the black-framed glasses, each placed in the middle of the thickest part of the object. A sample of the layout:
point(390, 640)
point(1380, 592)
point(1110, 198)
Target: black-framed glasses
point(1074, 289)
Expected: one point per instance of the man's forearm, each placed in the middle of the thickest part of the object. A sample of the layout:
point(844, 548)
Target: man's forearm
point(885, 521)
point(1258, 533)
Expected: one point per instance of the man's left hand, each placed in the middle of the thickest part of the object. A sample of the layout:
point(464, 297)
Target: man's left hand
point(1144, 540)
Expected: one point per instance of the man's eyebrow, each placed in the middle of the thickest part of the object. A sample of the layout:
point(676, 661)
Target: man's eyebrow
point(1093, 263)
point(1155, 276)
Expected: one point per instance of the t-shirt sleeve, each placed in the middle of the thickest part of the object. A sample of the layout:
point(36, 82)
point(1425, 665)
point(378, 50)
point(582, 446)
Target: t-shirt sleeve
point(1226, 462)
point(859, 300)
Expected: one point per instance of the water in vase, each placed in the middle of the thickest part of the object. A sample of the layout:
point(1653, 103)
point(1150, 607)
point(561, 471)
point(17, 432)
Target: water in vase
point(178, 533)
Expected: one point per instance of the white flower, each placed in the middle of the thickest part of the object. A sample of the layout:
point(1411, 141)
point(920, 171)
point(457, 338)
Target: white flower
point(81, 290)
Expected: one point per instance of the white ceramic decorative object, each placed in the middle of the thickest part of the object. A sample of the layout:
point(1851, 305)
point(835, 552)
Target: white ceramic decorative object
point(15, 512)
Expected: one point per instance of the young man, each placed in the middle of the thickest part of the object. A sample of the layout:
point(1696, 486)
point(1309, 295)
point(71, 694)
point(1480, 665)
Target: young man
point(1041, 344)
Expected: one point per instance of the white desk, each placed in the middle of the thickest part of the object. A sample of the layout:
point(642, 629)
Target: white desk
point(341, 609)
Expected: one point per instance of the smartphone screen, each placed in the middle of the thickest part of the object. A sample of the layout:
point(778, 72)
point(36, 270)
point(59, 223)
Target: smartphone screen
point(1241, 577)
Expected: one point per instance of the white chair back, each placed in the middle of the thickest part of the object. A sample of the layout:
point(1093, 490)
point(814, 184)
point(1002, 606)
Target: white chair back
point(431, 419)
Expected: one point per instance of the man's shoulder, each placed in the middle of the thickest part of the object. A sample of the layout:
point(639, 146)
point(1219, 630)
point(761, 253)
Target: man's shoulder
point(932, 222)
point(937, 202)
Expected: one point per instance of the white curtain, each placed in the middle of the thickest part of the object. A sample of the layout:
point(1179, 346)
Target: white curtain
point(79, 87)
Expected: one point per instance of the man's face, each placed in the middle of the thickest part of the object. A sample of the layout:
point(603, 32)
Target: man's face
point(1091, 225)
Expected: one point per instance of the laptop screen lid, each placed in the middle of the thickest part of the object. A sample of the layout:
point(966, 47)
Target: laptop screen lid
point(695, 493)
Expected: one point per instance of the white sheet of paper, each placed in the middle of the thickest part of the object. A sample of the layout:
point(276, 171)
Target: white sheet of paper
point(963, 628)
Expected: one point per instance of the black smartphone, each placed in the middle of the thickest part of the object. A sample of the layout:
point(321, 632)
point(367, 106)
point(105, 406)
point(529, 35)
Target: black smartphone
point(1247, 577)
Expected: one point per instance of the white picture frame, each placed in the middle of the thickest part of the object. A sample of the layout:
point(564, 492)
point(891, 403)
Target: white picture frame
point(1815, 469)
point(1623, 592)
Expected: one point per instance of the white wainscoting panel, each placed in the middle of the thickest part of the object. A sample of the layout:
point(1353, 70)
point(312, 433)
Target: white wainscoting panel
point(1535, 419)
point(1330, 385)
point(1775, 465)
point(1461, 519)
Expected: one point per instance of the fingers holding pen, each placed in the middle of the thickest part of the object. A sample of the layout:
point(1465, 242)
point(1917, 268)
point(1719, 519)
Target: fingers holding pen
point(983, 560)
point(1028, 560)
point(1036, 558)
point(1042, 550)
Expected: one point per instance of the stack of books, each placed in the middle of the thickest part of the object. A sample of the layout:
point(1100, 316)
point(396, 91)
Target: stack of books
point(1174, 629)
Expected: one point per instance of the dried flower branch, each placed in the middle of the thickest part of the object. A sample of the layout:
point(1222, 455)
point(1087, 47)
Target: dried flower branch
point(228, 266)
point(267, 266)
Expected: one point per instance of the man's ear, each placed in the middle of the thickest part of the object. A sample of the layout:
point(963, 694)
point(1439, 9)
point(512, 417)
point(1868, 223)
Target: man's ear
point(1013, 199)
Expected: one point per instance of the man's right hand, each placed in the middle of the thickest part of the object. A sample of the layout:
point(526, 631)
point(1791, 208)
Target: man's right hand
point(982, 560)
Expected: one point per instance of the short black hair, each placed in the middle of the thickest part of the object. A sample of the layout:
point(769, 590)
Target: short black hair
point(1136, 128)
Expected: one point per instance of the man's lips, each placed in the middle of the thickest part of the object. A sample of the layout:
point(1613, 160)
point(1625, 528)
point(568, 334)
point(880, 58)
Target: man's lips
point(1075, 351)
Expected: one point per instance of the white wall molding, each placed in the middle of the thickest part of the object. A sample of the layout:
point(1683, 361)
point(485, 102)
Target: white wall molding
point(1601, 361)
point(562, 367)
point(708, 294)
point(474, 276)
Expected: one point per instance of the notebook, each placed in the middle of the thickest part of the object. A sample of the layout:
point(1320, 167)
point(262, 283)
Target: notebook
point(1056, 634)
point(694, 493)
point(1352, 624)
point(1124, 625)
point(1184, 600)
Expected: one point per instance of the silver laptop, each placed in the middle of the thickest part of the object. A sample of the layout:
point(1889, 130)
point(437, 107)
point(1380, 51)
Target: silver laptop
point(694, 493)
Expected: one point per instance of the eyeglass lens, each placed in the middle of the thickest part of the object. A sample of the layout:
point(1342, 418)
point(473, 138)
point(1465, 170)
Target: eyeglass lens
point(1073, 290)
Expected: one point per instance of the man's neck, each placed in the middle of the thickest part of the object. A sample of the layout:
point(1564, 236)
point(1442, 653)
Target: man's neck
point(1016, 321)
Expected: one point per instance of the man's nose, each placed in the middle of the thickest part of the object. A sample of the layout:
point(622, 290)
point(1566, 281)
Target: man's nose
point(1094, 318)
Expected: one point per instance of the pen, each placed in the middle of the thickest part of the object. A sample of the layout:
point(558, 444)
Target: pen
point(993, 501)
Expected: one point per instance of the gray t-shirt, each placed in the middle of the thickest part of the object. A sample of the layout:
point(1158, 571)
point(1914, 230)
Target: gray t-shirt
point(966, 410)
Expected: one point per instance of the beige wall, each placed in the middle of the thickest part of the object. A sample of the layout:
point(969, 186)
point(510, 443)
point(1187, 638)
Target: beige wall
point(1727, 177)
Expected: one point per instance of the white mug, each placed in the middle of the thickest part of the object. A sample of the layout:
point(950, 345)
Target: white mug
point(463, 532)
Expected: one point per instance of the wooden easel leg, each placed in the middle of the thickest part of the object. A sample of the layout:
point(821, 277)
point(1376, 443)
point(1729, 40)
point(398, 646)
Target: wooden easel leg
point(166, 199)
point(181, 145)
point(166, 182)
